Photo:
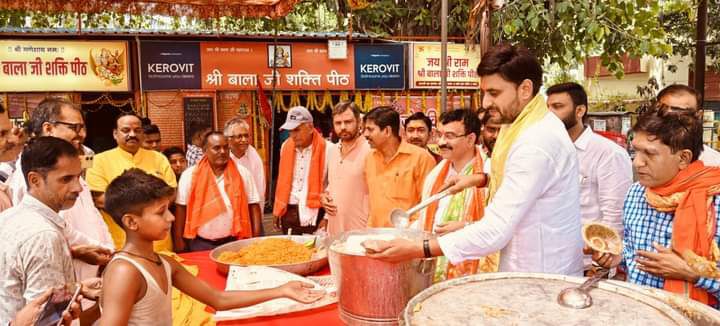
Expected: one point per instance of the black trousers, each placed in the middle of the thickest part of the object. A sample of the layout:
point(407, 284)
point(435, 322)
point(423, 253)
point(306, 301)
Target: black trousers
point(291, 219)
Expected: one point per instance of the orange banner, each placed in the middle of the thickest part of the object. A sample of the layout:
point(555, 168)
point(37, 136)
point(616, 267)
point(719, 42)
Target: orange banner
point(300, 66)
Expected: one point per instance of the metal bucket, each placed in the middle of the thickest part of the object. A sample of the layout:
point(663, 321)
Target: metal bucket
point(372, 292)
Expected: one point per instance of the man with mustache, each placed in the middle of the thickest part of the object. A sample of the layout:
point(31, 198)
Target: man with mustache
point(418, 128)
point(346, 197)
point(300, 181)
point(108, 165)
point(394, 170)
point(86, 232)
point(670, 215)
point(533, 215)
point(237, 132)
point(216, 202)
point(605, 167)
point(458, 130)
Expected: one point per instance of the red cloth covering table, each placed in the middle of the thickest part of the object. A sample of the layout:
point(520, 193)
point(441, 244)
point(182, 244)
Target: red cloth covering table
point(325, 316)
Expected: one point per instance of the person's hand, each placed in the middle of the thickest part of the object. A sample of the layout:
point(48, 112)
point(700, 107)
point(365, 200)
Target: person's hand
point(604, 259)
point(449, 227)
point(277, 222)
point(322, 226)
point(301, 292)
point(91, 288)
point(666, 264)
point(327, 203)
point(459, 183)
point(28, 315)
point(93, 255)
point(393, 251)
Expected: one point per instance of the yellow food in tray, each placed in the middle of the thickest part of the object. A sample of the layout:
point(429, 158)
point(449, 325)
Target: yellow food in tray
point(276, 251)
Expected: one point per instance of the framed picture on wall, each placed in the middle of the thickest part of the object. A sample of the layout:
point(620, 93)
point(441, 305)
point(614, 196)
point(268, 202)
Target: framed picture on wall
point(280, 56)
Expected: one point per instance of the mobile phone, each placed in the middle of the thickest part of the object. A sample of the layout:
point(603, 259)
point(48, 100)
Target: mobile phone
point(59, 302)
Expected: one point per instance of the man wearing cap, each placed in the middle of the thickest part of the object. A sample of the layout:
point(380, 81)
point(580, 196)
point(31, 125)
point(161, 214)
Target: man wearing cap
point(301, 176)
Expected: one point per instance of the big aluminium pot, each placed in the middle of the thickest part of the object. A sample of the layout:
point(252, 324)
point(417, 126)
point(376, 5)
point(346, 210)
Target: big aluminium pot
point(372, 292)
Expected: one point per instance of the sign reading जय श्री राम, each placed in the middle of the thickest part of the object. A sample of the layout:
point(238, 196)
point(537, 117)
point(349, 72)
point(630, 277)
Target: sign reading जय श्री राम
point(425, 66)
point(43, 65)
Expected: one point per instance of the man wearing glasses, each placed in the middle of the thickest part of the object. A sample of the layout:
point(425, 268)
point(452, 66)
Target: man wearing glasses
point(87, 234)
point(679, 97)
point(237, 132)
point(110, 164)
point(459, 131)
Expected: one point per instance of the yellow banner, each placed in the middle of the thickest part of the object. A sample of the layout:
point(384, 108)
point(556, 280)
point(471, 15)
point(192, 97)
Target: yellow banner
point(93, 66)
point(461, 66)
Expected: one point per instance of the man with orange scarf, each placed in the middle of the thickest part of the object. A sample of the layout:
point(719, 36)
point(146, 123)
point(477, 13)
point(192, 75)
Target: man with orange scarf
point(459, 130)
point(301, 176)
point(670, 214)
point(217, 201)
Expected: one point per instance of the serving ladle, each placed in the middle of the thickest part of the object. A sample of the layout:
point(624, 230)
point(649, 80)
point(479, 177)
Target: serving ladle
point(401, 219)
point(579, 297)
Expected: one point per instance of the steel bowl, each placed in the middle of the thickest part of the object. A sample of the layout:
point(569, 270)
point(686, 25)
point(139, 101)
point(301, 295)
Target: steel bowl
point(316, 262)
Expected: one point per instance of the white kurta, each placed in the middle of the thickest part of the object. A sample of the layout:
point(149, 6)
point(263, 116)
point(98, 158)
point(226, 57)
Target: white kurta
point(709, 156)
point(534, 218)
point(253, 163)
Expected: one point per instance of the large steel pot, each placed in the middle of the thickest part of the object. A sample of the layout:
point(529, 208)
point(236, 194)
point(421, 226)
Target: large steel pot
point(316, 262)
point(372, 292)
point(493, 299)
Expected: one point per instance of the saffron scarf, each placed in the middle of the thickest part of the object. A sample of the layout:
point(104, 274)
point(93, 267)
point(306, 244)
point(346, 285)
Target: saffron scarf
point(206, 203)
point(287, 167)
point(690, 194)
point(456, 211)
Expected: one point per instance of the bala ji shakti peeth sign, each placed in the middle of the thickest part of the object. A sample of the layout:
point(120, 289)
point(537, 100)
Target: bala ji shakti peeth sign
point(89, 66)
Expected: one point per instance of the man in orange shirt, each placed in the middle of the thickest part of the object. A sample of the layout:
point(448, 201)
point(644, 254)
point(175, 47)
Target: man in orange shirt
point(394, 170)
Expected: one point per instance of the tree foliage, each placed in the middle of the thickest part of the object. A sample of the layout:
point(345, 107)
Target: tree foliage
point(563, 32)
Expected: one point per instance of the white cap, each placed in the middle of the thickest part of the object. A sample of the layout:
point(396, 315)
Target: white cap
point(296, 116)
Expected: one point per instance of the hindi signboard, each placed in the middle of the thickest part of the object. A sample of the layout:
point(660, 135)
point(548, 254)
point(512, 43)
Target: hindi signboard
point(170, 65)
point(86, 66)
point(380, 66)
point(300, 66)
point(461, 66)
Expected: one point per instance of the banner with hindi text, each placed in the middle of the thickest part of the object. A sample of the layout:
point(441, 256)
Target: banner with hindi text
point(425, 69)
point(300, 66)
point(83, 66)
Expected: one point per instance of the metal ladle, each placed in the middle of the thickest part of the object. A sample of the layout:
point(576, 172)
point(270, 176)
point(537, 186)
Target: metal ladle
point(579, 297)
point(401, 219)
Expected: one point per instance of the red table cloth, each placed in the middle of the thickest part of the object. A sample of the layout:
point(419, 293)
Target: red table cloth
point(325, 316)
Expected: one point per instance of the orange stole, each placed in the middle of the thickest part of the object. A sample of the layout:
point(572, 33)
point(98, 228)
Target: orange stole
point(690, 194)
point(205, 202)
point(287, 167)
point(474, 213)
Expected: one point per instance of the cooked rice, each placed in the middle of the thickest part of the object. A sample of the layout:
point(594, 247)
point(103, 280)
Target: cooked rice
point(274, 251)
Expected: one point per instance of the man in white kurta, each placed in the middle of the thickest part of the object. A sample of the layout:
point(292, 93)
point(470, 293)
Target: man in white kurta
point(533, 217)
point(237, 131)
point(605, 167)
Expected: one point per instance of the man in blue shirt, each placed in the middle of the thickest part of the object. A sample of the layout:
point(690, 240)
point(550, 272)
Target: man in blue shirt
point(670, 214)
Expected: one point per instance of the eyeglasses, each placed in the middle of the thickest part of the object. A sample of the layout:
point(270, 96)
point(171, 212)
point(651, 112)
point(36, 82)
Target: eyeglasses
point(77, 127)
point(234, 137)
point(451, 136)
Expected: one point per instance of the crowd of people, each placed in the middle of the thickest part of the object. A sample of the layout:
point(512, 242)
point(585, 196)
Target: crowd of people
point(525, 173)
